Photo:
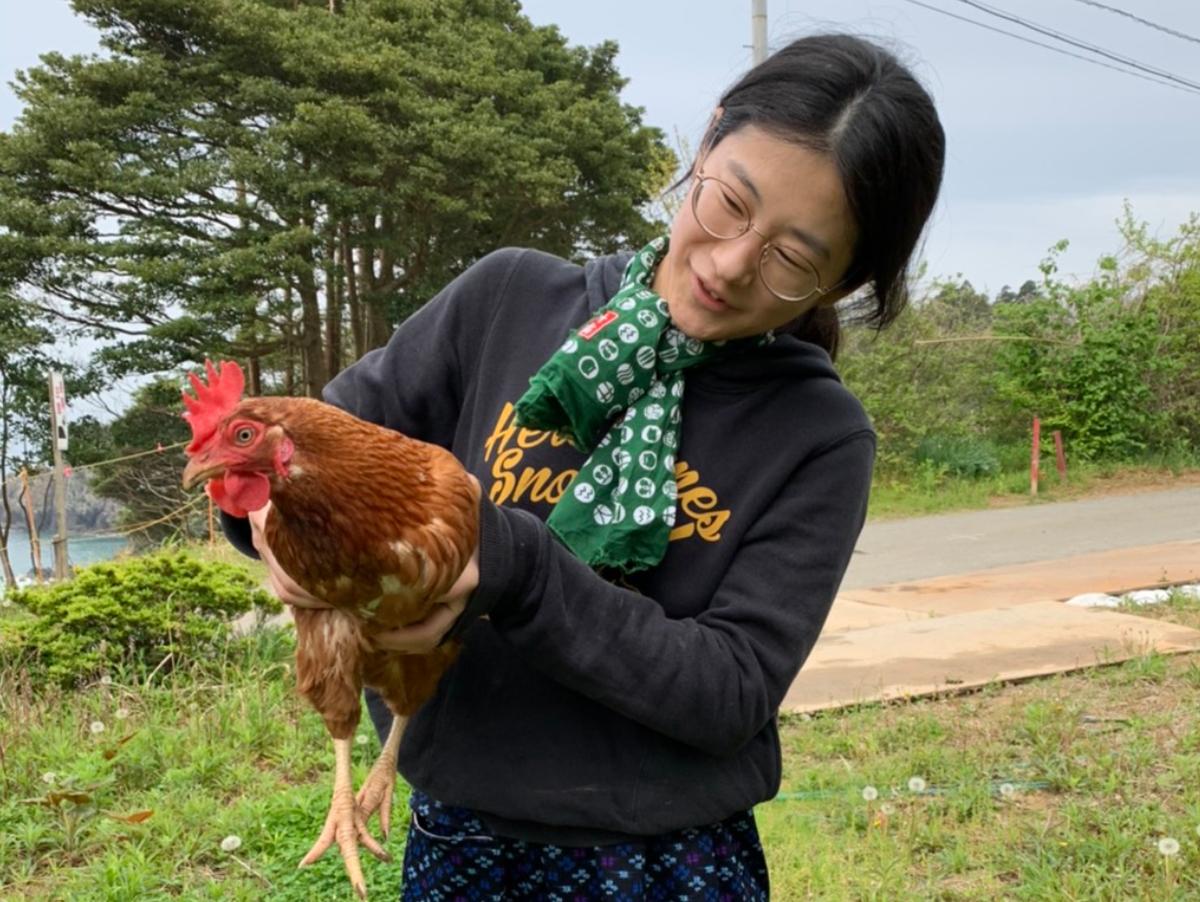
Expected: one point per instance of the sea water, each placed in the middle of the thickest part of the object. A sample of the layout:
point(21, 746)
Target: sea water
point(81, 551)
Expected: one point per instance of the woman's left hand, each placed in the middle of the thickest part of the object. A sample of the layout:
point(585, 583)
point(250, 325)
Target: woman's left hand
point(424, 636)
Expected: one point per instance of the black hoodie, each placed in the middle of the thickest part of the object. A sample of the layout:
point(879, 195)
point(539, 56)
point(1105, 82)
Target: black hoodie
point(588, 708)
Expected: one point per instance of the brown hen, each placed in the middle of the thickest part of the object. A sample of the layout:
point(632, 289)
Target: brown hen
point(375, 524)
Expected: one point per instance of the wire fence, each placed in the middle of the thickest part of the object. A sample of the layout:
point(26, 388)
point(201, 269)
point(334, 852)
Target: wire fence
point(26, 482)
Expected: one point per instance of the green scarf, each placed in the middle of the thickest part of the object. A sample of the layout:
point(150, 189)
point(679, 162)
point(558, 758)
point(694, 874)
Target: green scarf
point(614, 391)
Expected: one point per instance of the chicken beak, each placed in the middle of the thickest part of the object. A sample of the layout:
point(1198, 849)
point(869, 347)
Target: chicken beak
point(200, 469)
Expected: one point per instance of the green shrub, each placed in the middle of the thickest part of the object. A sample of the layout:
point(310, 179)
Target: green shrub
point(961, 456)
point(132, 614)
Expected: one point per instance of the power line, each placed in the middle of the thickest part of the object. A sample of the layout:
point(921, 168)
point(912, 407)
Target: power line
point(1146, 22)
point(1083, 45)
point(1050, 47)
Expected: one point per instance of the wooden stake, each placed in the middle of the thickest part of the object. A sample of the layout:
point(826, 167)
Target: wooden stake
point(35, 544)
point(1059, 457)
point(1035, 456)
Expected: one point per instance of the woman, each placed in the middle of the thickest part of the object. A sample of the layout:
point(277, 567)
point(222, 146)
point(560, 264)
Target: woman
point(611, 720)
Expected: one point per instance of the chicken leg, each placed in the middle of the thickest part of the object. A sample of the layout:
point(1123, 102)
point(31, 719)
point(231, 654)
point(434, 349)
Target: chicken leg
point(346, 823)
point(376, 791)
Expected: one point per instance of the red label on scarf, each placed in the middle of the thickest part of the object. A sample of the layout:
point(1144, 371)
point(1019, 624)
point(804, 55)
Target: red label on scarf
point(592, 329)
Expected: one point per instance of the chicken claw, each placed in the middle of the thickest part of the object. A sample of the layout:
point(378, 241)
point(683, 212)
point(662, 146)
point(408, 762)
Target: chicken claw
point(346, 824)
point(377, 790)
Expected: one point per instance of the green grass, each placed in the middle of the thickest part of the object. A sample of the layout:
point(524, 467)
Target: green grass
point(927, 489)
point(223, 749)
point(1104, 764)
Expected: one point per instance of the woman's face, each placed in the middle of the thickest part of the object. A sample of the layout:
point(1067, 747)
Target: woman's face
point(795, 197)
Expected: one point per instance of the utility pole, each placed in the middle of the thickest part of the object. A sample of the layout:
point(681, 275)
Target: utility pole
point(58, 444)
point(758, 29)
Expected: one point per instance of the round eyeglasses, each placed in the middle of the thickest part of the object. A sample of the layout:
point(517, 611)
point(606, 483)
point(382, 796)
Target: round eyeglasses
point(722, 213)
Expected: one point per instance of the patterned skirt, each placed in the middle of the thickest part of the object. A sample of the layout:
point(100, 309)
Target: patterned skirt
point(452, 857)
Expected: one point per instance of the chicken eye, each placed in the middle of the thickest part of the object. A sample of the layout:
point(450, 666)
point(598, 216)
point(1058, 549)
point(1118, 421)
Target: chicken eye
point(244, 435)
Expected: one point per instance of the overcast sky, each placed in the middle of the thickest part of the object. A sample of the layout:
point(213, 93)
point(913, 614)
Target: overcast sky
point(1041, 146)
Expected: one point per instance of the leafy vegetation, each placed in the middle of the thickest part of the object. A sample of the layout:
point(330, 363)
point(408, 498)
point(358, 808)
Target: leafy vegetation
point(284, 181)
point(1111, 364)
point(130, 617)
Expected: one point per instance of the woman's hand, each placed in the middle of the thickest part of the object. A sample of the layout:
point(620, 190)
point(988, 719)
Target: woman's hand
point(282, 585)
point(423, 636)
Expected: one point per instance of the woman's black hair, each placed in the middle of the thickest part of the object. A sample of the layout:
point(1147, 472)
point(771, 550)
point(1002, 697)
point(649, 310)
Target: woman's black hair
point(849, 98)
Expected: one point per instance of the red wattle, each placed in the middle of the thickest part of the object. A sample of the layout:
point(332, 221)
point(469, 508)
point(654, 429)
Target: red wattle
point(217, 492)
point(248, 491)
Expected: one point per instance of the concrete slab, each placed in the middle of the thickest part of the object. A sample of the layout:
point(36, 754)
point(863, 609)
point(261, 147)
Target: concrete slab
point(967, 650)
point(1116, 571)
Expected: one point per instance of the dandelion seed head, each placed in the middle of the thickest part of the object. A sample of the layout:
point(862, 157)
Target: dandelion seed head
point(49, 777)
point(1168, 846)
point(361, 739)
point(96, 726)
point(106, 680)
point(870, 793)
point(1008, 790)
point(6, 603)
point(231, 843)
point(888, 808)
point(916, 784)
point(121, 713)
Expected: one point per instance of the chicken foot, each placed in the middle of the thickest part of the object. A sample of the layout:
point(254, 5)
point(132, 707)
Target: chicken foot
point(345, 823)
point(377, 790)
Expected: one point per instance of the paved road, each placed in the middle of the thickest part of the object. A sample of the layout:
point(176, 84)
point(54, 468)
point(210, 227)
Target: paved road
point(918, 548)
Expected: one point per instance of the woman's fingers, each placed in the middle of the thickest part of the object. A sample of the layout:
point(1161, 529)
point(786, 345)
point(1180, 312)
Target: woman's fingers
point(424, 635)
point(285, 588)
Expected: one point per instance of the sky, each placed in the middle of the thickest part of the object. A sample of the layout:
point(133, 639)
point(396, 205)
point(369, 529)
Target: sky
point(1040, 146)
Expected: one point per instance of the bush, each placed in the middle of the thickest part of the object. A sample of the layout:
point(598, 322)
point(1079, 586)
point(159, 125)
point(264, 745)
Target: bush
point(132, 614)
point(960, 456)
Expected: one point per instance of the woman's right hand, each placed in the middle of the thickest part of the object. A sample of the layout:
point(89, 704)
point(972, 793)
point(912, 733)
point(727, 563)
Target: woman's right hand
point(286, 588)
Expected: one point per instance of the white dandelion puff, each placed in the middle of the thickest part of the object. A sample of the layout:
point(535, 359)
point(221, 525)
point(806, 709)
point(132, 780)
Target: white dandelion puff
point(916, 784)
point(49, 777)
point(1168, 846)
point(121, 713)
point(96, 726)
point(1008, 790)
point(888, 808)
point(231, 843)
point(361, 739)
point(106, 680)
point(870, 793)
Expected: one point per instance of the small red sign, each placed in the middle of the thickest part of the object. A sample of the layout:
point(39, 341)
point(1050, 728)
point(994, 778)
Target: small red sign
point(592, 329)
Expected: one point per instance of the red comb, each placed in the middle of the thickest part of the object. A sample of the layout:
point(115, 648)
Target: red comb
point(213, 401)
